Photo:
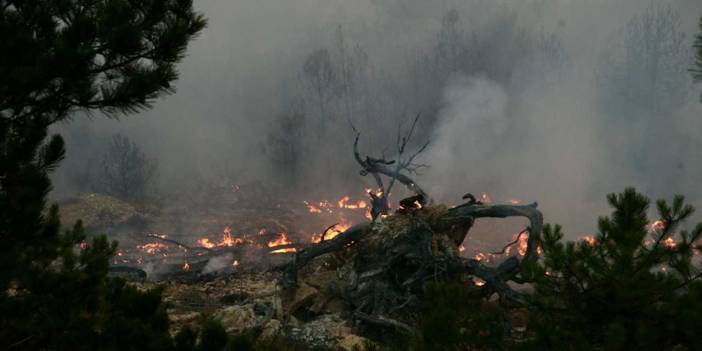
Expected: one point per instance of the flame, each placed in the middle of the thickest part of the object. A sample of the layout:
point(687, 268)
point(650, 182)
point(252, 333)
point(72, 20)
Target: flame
point(669, 242)
point(282, 240)
point(478, 282)
point(235, 263)
point(344, 203)
point(153, 248)
point(485, 198)
point(331, 233)
point(522, 245)
point(417, 204)
point(657, 226)
point(312, 208)
point(204, 242)
point(481, 257)
point(186, 266)
point(227, 240)
point(461, 248)
point(590, 240)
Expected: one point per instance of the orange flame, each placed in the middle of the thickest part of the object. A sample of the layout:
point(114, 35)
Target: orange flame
point(331, 233)
point(669, 242)
point(657, 226)
point(282, 240)
point(590, 240)
point(153, 248)
point(227, 240)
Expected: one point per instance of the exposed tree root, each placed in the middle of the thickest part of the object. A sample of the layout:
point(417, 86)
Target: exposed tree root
point(393, 258)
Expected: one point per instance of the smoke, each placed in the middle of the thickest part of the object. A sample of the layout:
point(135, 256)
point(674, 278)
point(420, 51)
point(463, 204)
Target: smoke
point(520, 99)
point(218, 263)
point(518, 149)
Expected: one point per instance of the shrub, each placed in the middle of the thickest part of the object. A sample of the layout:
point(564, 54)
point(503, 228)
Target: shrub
point(632, 286)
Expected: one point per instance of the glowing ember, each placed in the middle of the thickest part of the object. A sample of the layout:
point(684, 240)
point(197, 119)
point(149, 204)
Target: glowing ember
point(481, 257)
point(461, 248)
point(235, 263)
point(204, 242)
point(478, 282)
point(153, 248)
point(377, 193)
point(590, 240)
point(669, 242)
point(312, 208)
point(344, 203)
point(186, 266)
point(657, 226)
point(522, 244)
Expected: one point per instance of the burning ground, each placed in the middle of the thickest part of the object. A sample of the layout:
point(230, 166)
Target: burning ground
point(218, 259)
point(261, 264)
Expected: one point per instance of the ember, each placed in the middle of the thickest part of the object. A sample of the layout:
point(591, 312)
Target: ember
point(154, 248)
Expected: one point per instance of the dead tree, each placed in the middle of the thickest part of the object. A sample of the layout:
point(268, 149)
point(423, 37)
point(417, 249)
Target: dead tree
point(386, 263)
point(394, 257)
point(383, 266)
point(392, 169)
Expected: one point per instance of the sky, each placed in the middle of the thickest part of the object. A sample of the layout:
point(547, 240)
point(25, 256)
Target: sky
point(562, 124)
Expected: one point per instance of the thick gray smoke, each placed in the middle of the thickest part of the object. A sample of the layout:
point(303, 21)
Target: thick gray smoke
point(558, 102)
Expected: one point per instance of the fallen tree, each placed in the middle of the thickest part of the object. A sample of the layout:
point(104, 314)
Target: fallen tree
point(379, 269)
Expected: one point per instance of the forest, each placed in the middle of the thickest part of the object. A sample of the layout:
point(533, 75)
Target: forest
point(350, 175)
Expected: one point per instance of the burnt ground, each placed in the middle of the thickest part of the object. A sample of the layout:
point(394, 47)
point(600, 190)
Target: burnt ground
point(233, 281)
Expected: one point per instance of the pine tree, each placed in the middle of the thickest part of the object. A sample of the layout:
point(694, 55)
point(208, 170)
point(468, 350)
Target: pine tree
point(60, 58)
point(632, 286)
point(697, 71)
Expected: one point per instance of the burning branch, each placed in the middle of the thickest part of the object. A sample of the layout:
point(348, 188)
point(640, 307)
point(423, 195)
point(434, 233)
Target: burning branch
point(391, 268)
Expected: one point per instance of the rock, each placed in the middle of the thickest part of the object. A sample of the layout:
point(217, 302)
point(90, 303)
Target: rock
point(303, 295)
point(98, 211)
point(293, 322)
point(323, 332)
point(271, 329)
point(178, 320)
point(237, 319)
point(322, 280)
point(353, 343)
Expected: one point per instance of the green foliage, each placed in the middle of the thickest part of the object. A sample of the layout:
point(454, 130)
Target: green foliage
point(631, 287)
point(59, 58)
point(697, 70)
point(112, 55)
point(453, 319)
point(127, 173)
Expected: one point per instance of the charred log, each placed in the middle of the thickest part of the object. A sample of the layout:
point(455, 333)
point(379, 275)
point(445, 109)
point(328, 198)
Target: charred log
point(394, 257)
